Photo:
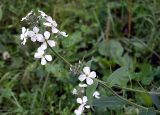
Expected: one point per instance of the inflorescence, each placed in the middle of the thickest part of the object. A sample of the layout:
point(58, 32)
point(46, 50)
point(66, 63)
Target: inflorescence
point(40, 30)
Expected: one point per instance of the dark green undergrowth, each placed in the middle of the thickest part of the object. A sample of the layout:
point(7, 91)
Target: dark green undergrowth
point(109, 35)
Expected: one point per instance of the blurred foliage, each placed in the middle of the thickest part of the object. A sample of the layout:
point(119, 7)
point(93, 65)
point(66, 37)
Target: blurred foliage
point(118, 38)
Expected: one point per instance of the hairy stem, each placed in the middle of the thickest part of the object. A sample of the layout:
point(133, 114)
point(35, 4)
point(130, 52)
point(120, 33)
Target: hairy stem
point(61, 57)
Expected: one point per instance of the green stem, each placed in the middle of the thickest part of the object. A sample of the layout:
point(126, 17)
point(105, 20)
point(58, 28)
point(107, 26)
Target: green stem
point(122, 98)
point(58, 55)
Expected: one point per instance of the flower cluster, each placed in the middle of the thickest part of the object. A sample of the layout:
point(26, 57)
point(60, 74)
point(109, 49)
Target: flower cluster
point(88, 76)
point(42, 36)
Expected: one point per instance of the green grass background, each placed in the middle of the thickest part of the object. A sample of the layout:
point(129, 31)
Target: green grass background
point(106, 34)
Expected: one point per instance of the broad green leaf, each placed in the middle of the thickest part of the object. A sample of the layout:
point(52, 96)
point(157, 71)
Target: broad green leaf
point(90, 90)
point(119, 77)
point(150, 111)
point(113, 49)
point(109, 102)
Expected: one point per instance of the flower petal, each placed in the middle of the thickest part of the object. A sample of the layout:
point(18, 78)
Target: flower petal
point(82, 85)
point(96, 94)
point(89, 81)
point(92, 74)
point(22, 36)
point(78, 111)
point(82, 77)
point(43, 61)
point(51, 43)
point(23, 29)
point(33, 38)
point(40, 38)
point(85, 99)
point(47, 24)
point(38, 54)
point(54, 23)
point(42, 13)
point(63, 34)
point(47, 35)
point(49, 19)
point(54, 30)
point(43, 46)
point(87, 106)
point(79, 100)
point(86, 70)
point(35, 29)
point(31, 33)
point(48, 57)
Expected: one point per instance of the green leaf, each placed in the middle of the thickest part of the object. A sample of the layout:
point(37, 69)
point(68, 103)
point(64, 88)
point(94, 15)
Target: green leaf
point(1, 13)
point(7, 93)
point(112, 102)
point(146, 73)
point(119, 77)
point(58, 71)
point(150, 111)
point(89, 92)
point(72, 40)
point(144, 99)
point(111, 48)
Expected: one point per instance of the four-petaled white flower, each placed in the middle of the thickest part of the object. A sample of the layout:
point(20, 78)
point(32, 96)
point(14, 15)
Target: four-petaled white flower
point(46, 41)
point(96, 94)
point(51, 23)
point(35, 36)
point(87, 75)
point(24, 35)
point(44, 57)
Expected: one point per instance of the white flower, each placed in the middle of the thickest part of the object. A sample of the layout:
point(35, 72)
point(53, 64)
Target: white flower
point(83, 102)
point(25, 18)
point(35, 36)
point(87, 75)
point(46, 41)
point(24, 35)
point(82, 85)
point(51, 23)
point(96, 94)
point(44, 58)
point(74, 92)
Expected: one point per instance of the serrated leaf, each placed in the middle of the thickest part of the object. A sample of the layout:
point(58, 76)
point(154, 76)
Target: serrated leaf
point(119, 77)
point(112, 102)
point(89, 92)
